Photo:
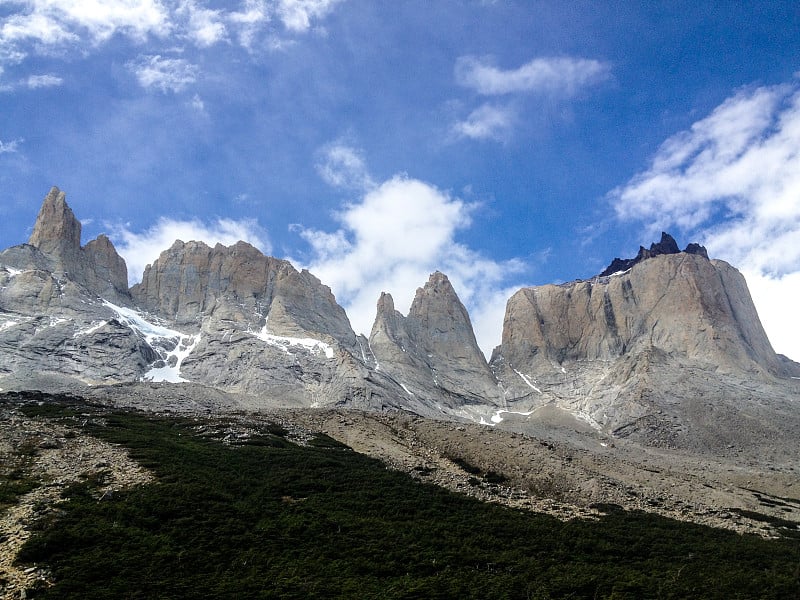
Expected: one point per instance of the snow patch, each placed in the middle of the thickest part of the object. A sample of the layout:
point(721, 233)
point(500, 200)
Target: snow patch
point(171, 346)
point(497, 417)
point(528, 382)
point(171, 371)
point(618, 273)
point(409, 392)
point(89, 330)
point(284, 342)
point(12, 272)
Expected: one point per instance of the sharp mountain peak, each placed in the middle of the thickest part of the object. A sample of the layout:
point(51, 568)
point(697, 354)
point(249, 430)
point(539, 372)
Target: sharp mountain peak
point(617, 351)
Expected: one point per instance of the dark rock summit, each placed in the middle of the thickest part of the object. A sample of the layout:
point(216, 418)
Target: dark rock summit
point(667, 245)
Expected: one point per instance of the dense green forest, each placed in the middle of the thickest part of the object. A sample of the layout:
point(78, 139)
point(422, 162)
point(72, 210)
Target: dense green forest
point(272, 519)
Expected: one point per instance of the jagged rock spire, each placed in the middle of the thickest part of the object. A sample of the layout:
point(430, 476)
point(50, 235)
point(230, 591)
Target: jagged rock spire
point(57, 233)
point(434, 344)
point(667, 245)
point(57, 236)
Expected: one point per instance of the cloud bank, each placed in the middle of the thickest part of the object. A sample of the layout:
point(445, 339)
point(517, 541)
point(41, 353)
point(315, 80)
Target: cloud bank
point(392, 238)
point(733, 180)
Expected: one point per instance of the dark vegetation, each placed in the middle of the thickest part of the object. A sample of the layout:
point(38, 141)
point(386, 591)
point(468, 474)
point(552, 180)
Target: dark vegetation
point(276, 520)
point(14, 482)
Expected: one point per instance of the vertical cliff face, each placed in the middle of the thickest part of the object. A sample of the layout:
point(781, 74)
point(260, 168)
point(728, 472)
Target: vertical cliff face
point(681, 304)
point(57, 237)
point(238, 287)
point(433, 351)
point(105, 270)
point(649, 351)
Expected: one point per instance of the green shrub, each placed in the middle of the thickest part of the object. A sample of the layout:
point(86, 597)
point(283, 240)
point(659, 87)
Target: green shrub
point(257, 521)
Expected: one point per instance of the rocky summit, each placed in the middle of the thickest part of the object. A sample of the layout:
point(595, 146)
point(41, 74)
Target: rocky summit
point(670, 351)
point(665, 349)
point(433, 348)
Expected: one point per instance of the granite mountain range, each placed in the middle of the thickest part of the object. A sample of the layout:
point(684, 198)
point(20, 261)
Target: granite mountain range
point(665, 349)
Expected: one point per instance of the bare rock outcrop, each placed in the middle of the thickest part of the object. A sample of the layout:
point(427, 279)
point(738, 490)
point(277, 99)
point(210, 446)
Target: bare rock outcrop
point(192, 282)
point(667, 348)
point(650, 352)
point(55, 247)
point(433, 351)
point(53, 312)
point(682, 304)
point(57, 233)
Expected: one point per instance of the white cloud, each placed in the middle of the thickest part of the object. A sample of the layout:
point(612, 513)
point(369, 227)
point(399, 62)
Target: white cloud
point(297, 15)
point(142, 249)
point(733, 180)
point(53, 22)
point(165, 74)
point(205, 27)
point(392, 239)
point(42, 26)
point(248, 21)
point(43, 81)
point(776, 301)
point(343, 166)
point(9, 147)
point(486, 122)
point(34, 26)
point(559, 76)
point(198, 104)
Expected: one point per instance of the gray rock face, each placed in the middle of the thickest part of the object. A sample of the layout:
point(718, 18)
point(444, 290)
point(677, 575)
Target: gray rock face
point(57, 233)
point(192, 283)
point(55, 246)
point(633, 351)
point(432, 352)
point(51, 324)
point(682, 304)
point(52, 315)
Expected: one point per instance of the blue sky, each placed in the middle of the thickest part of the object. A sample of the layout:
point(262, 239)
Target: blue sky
point(504, 143)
